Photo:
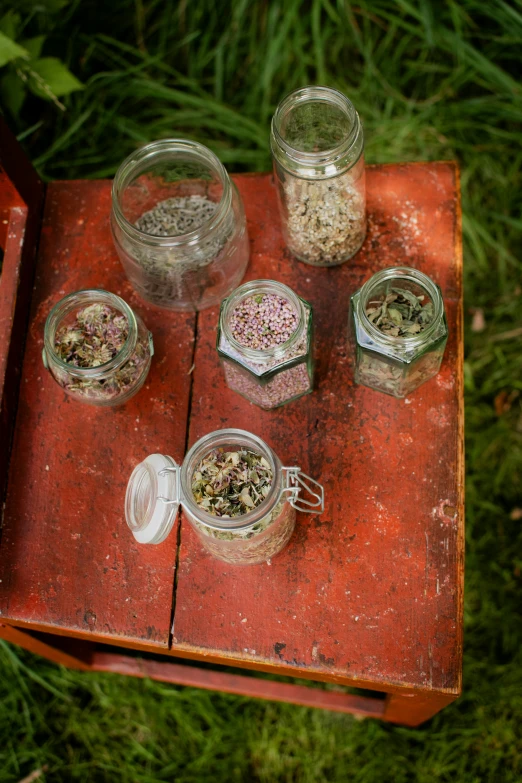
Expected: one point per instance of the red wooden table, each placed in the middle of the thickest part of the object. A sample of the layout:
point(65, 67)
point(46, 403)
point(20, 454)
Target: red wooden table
point(369, 594)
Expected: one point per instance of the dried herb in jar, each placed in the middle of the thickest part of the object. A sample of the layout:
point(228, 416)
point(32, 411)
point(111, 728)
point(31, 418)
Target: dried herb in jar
point(326, 221)
point(231, 483)
point(180, 274)
point(95, 337)
point(400, 313)
point(263, 321)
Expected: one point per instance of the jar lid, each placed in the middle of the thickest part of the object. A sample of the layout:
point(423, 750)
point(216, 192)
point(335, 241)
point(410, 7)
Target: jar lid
point(152, 499)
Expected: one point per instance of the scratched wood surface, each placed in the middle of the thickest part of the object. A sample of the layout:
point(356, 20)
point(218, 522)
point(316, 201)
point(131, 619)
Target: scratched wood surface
point(371, 590)
point(67, 560)
point(21, 201)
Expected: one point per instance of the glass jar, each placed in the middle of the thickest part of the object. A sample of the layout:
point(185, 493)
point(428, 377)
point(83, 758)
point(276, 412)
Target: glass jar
point(398, 364)
point(157, 487)
point(179, 225)
point(275, 375)
point(318, 152)
point(113, 379)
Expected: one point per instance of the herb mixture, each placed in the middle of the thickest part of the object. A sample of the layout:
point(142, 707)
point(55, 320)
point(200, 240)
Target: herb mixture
point(231, 483)
point(326, 222)
point(96, 336)
point(400, 313)
point(175, 216)
point(263, 321)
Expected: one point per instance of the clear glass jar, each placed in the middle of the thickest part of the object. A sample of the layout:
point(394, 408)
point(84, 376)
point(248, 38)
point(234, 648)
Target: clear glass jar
point(109, 383)
point(318, 152)
point(276, 375)
point(179, 225)
point(397, 365)
point(157, 487)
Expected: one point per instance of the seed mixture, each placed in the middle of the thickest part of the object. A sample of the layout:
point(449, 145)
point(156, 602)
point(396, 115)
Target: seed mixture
point(400, 313)
point(263, 321)
point(326, 222)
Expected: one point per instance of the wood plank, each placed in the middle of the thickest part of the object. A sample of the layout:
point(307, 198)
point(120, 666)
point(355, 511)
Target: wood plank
point(67, 559)
point(21, 200)
point(369, 592)
point(238, 684)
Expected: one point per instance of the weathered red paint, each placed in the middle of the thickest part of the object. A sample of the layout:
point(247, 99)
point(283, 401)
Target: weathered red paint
point(368, 593)
point(67, 558)
point(21, 199)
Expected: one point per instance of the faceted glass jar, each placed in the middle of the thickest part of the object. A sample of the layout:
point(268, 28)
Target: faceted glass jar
point(397, 365)
point(113, 382)
point(318, 152)
point(157, 487)
point(274, 376)
point(193, 250)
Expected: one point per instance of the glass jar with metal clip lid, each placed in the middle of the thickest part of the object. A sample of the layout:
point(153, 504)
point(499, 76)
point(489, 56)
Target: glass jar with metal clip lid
point(236, 494)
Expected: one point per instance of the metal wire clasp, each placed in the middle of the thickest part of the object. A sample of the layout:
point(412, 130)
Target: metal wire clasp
point(296, 481)
point(176, 470)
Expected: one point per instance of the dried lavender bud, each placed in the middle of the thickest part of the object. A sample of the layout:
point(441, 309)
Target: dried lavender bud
point(231, 483)
point(95, 337)
point(263, 321)
point(184, 274)
point(326, 222)
point(400, 313)
point(175, 216)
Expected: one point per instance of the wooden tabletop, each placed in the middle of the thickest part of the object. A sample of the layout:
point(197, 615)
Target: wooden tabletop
point(370, 592)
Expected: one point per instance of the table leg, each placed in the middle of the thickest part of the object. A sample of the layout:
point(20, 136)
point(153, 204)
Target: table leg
point(412, 709)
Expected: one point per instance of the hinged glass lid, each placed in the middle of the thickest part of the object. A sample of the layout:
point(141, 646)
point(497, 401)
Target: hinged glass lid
point(152, 498)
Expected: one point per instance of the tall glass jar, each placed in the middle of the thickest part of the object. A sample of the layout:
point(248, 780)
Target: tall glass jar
point(411, 352)
point(318, 152)
point(266, 311)
point(157, 487)
point(179, 225)
point(111, 379)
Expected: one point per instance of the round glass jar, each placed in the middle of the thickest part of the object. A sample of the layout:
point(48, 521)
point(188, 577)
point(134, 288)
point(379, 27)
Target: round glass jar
point(398, 364)
point(272, 376)
point(157, 487)
point(179, 225)
point(317, 146)
point(110, 382)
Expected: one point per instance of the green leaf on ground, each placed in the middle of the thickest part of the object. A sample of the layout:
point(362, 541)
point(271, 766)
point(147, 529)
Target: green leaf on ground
point(12, 92)
point(55, 79)
point(10, 50)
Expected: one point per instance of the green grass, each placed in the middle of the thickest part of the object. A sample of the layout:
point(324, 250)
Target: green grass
point(431, 80)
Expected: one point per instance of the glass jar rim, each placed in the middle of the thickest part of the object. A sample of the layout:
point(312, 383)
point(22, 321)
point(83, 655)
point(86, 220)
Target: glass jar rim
point(74, 301)
point(249, 289)
point(309, 94)
point(205, 445)
point(402, 273)
point(146, 154)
